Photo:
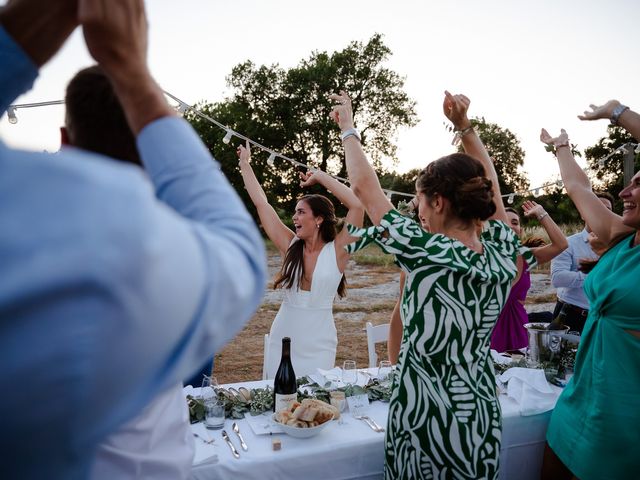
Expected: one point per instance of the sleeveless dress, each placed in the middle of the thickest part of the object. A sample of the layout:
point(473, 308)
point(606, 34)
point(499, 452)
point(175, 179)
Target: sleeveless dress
point(444, 417)
point(307, 318)
point(595, 426)
point(509, 333)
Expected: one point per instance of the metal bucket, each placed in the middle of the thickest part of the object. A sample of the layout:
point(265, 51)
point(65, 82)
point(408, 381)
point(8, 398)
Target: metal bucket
point(544, 345)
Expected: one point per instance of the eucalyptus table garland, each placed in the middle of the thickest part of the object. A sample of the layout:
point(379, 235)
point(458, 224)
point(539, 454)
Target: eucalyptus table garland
point(259, 400)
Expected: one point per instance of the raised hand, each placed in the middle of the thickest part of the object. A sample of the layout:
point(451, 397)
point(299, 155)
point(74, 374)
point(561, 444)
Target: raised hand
point(455, 109)
point(116, 35)
point(244, 153)
point(309, 178)
point(532, 209)
point(342, 112)
point(560, 140)
point(598, 112)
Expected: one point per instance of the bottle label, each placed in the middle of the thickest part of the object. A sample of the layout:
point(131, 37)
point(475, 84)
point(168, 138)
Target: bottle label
point(283, 402)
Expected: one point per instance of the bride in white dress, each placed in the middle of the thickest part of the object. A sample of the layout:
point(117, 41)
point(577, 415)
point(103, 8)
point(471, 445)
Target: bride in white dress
point(314, 260)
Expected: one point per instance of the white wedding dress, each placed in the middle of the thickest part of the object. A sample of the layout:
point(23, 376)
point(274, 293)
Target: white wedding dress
point(307, 318)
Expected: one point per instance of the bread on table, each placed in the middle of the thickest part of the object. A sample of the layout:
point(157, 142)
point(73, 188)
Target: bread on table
point(310, 413)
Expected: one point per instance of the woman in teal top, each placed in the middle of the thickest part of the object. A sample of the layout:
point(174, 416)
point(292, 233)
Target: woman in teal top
point(594, 431)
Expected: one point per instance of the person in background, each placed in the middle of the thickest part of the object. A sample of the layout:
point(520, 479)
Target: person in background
point(313, 264)
point(567, 277)
point(157, 443)
point(509, 332)
point(593, 434)
point(115, 285)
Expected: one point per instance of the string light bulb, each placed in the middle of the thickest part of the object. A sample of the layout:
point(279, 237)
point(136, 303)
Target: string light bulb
point(227, 138)
point(536, 192)
point(271, 159)
point(389, 195)
point(11, 113)
point(510, 199)
point(601, 163)
point(182, 109)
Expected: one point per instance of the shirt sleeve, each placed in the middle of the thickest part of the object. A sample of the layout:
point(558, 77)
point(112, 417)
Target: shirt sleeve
point(561, 274)
point(17, 71)
point(401, 237)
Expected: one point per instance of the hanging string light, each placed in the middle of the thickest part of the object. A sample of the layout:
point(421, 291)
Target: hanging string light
point(11, 113)
point(511, 198)
point(228, 136)
point(271, 159)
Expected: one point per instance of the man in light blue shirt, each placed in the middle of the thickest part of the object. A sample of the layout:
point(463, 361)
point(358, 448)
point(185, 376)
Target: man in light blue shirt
point(569, 280)
point(109, 294)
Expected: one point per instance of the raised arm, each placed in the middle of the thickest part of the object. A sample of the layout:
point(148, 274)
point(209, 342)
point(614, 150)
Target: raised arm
point(558, 240)
point(345, 195)
point(618, 114)
point(362, 176)
point(277, 231)
point(606, 224)
point(455, 109)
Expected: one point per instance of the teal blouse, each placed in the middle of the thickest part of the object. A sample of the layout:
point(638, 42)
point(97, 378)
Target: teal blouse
point(595, 427)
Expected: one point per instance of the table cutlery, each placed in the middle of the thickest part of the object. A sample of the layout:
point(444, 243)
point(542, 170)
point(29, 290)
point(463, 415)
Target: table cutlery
point(375, 427)
point(236, 429)
point(234, 452)
point(375, 424)
point(208, 442)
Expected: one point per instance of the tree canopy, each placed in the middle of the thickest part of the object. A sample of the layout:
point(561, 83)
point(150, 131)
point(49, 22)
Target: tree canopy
point(287, 111)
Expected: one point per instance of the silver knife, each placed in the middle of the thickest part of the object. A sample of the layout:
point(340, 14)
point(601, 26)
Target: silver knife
point(234, 452)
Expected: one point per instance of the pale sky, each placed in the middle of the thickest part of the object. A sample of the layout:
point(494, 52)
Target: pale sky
point(524, 65)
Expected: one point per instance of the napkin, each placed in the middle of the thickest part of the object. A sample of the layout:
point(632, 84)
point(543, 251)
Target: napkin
point(323, 376)
point(529, 387)
point(263, 424)
point(500, 359)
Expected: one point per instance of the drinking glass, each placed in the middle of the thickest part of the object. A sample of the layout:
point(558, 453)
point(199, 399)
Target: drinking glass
point(349, 372)
point(208, 388)
point(384, 372)
point(213, 413)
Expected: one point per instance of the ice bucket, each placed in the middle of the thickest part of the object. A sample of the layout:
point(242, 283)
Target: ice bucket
point(544, 345)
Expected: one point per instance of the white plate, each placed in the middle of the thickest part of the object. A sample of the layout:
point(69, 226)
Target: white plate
point(298, 432)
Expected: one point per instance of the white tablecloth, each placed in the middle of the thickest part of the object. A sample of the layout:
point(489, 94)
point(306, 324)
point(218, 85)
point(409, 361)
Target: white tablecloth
point(351, 450)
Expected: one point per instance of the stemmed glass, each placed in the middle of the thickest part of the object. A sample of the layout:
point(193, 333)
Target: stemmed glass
point(349, 372)
point(208, 387)
point(384, 372)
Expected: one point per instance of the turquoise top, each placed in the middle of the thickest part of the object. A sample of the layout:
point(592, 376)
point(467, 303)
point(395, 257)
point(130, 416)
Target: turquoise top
point(595, 427)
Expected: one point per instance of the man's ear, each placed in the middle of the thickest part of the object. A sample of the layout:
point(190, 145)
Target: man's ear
point(64, 136)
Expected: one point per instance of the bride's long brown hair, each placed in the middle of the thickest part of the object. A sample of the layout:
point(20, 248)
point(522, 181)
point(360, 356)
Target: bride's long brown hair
point(293, 265)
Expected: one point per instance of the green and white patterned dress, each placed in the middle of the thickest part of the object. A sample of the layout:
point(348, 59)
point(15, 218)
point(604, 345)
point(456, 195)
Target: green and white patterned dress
point(444, 417)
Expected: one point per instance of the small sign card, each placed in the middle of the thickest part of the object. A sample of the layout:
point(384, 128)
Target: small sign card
point(358, 404)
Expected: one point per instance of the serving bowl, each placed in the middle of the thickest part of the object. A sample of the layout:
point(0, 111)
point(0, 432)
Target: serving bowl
point(299, 432)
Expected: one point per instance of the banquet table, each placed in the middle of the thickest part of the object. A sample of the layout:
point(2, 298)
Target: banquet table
point(350, 449)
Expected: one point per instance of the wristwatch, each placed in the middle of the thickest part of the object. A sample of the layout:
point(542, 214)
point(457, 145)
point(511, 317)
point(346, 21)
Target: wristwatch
point(351, 132)
point(615, 115)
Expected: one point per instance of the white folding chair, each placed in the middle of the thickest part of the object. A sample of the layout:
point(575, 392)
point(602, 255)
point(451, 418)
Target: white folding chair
point(264, 356)
point(377, 334)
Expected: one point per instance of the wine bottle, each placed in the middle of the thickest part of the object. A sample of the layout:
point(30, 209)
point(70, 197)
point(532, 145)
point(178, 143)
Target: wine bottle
point(558, 322)
point(284, 386)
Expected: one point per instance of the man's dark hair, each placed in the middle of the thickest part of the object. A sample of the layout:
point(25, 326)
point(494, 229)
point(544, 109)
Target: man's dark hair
point(606, 196)
point(95, 120)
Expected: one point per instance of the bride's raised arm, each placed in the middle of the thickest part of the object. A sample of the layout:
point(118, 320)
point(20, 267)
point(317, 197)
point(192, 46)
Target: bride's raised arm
point(277, 231)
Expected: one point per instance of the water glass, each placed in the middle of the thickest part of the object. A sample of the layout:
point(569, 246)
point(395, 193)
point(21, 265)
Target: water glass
point(384, 372)
point(349, 372)
point(213, 413)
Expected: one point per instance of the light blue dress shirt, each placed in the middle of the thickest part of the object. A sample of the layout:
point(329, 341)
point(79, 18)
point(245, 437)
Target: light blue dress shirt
point(109, 294)
point(565, 275)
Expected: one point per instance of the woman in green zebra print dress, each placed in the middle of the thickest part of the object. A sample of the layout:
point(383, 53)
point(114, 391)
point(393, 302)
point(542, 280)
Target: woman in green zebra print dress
point(444, 417)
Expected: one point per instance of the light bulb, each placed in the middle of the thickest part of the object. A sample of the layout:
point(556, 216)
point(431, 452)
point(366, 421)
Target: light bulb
point(601, 163)
point(11, 113)
point(182, 109)
point(271, 159)
point(228, 136)
point(510, 199)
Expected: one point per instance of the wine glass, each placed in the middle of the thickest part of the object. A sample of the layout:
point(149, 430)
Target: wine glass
point(208, 387)
point(384, 372)
point(349, 372)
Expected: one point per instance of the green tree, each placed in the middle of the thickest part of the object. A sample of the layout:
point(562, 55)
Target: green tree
point(508, 157)
point(609, 173)
point(287, 111)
